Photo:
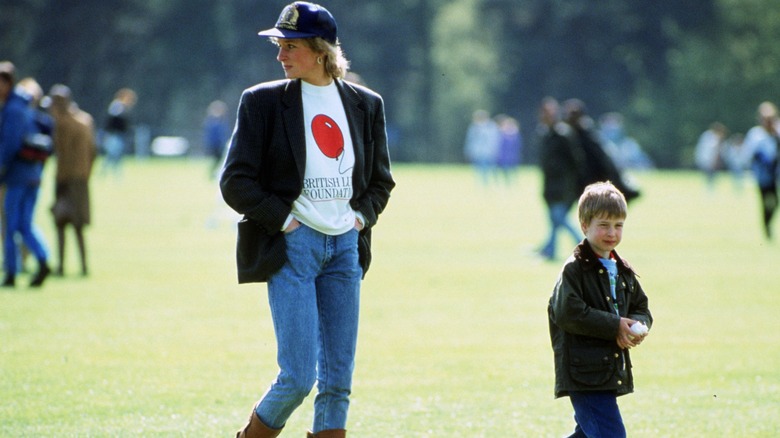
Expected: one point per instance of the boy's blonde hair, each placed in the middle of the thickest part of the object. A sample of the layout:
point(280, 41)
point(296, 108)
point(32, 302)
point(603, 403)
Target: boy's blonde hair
point(601, 199)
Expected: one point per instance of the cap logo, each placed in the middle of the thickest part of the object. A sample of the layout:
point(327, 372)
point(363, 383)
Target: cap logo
point(289, 18)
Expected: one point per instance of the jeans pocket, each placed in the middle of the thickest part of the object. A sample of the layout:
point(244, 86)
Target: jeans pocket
point(289, 233)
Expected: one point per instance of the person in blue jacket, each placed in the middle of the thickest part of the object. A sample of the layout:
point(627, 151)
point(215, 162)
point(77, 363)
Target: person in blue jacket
point(216, 133)
point(19, 125)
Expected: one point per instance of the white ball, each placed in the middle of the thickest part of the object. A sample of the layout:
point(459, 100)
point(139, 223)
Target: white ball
point(639, 329)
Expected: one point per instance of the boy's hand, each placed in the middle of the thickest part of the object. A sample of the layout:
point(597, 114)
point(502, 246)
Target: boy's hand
point(626, 339)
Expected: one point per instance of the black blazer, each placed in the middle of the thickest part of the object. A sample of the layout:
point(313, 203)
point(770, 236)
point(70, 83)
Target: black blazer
point(264, 168)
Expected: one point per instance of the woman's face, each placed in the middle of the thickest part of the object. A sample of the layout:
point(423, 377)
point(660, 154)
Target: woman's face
point(299, 61)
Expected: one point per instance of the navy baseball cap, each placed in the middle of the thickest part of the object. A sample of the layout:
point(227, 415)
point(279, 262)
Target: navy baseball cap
point(303, 20)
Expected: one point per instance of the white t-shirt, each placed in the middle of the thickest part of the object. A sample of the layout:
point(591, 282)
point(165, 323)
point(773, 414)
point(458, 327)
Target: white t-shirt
point(330, 157)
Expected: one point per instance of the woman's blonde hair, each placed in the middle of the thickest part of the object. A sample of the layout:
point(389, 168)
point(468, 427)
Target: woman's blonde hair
point(601, 199)
point(31, 89)
point(336, 64)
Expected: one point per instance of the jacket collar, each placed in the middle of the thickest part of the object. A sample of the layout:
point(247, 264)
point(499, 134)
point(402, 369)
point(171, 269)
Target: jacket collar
point(590, 260)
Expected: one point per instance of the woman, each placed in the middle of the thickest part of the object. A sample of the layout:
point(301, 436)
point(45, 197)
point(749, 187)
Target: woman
point(308, 167)
point(74, 145)
point(25, 132)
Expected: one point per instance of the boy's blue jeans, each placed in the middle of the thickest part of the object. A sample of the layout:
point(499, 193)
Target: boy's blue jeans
point(314, 302)
point(597, 415)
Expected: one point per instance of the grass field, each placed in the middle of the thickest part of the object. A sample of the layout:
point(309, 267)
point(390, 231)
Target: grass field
point(160, 340)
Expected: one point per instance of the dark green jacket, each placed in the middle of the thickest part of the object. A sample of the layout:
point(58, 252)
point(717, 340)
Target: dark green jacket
point(584, 326)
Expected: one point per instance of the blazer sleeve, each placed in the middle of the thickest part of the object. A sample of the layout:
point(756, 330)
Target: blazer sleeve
point(377, 177)
point(243, 181)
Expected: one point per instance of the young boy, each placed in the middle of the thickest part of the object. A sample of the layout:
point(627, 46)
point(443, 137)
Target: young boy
point(596, 301)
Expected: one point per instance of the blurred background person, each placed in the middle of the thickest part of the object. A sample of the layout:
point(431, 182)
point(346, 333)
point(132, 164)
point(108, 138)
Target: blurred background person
point(117, 129)
point(562, 164)
point(74, 145)
point(735, 159)
point(624, 150)
point(598, 165)
point(482, 143)
point(19, 124)
point(709, 148)
point(36, 147)
point(216, 131)
point(510, 148)
point(761, 143)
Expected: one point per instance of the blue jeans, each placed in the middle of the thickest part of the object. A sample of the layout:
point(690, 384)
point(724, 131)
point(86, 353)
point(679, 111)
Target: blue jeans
point(558, 218)
point(19, 209)
point(314, 302)
point(114, 146)
point(597, 415)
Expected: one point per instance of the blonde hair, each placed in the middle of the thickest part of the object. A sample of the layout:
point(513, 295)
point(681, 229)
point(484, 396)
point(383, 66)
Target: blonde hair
point(126, 97)
point(336, 64)
point(31, 89)
point(601, 199)
point(767, 110)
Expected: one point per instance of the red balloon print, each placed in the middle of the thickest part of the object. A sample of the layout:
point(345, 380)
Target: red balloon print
point(328, 136)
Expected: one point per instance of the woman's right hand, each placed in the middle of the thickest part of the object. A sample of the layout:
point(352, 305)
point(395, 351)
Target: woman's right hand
point(294, 224)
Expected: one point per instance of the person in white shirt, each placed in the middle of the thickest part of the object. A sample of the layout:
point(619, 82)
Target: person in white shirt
point(308, 167)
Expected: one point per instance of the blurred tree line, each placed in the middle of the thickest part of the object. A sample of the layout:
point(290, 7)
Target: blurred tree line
point(670, 67)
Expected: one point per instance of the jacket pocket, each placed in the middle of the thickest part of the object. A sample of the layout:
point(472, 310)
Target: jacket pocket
point(258, 255)
point(591, 366)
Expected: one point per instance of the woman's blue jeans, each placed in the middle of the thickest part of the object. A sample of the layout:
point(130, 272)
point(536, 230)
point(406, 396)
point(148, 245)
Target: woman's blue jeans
point(19, 207)
point(314, 301)
point(597, 415)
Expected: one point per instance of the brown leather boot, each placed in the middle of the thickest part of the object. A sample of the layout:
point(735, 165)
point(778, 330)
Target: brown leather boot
point(256, 429)
point(330, 433)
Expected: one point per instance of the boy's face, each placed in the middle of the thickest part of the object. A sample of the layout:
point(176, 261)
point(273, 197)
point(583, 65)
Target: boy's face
point(603, 234)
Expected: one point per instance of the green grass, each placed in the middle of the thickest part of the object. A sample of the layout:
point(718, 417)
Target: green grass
point(160, 340)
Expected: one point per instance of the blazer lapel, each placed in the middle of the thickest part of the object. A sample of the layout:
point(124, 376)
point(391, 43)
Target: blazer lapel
point(294, 125)
point(356, 116)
